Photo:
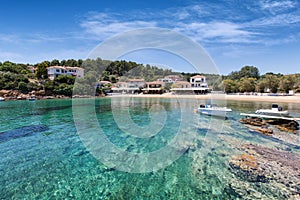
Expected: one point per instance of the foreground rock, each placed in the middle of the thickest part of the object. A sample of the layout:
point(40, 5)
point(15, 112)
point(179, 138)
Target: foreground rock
point(271, 170)
point(285, 125)
point(253, 121)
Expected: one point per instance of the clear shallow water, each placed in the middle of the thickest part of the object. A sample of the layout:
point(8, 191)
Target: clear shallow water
point(54, 163)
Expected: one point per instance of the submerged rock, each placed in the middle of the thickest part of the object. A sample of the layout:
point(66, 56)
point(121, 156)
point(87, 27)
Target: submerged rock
point(22, 132)
point(253, 121)
point(264, 130)
point(283, 125)
point(275, 170)
point(258, 125)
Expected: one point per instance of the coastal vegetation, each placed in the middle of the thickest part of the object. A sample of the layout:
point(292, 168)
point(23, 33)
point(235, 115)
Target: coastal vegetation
point(248, 79)
point(19, 77)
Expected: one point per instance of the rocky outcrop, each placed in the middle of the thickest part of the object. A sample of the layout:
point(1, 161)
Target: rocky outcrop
point(39, 93)
point(285, 125)
point(258, 125)
point(253, 121)
point(16, 95)
point(264, 130)
point(265, 125)
point(9, 94)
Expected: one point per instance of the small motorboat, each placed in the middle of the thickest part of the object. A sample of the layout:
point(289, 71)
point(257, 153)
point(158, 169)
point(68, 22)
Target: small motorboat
point(2, 99)
point(275, 110)
point(213, 110)
point(275, 113)
point(32, 98)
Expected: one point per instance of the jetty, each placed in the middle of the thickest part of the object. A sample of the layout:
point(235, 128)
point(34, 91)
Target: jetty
point(270, 117)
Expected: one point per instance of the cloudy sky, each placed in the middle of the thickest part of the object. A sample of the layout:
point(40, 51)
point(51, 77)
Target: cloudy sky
point(262, 33)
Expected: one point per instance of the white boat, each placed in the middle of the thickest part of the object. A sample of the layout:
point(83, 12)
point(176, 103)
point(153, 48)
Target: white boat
point(270, 117)
point(274, 111)
point(32, 98)
point(213, 110)
point(2, 99)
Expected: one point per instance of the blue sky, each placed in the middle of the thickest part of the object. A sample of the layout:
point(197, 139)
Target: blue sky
point(262, 33)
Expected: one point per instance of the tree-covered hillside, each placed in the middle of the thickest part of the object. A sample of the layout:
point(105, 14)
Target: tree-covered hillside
point(19, 77)
point(248, 79)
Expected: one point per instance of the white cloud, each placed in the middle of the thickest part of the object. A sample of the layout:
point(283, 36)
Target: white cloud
point(217, 32)
point(278, 20)
point(201, 22)
point(277, 6)
point(186, 12)
point(101, 25)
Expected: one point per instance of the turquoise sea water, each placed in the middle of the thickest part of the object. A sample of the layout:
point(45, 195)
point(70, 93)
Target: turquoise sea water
point(43, 156)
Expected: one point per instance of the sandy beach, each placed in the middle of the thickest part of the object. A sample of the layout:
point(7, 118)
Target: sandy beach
point(275, 99)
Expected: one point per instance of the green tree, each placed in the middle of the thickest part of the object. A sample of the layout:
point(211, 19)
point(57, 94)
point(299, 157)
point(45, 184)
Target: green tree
point(14, 68)
point(10, 81)
point(79, 62)
point(22, 87)
point(272, 82)
point(71, 63)
point(261, 86)
point(65, 79)
point(41, 70)
point(105, 76)
point(247, 84)
point(287, 83)
point(49, 87)
point(249, 72)
point(54, 62)
point(63, 63)
point(63, 89)
point(245, 72)
point(33, 86)
point(230, 86)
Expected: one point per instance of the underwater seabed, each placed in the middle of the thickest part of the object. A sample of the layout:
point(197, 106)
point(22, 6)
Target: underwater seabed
point(224, 159)
point(246, 164)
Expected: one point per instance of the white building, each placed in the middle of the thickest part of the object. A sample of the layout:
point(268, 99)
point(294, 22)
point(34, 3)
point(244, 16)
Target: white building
point(55, 71)
point(198, 81)
point(197, 85)
point(136, 83)
point(132, 86)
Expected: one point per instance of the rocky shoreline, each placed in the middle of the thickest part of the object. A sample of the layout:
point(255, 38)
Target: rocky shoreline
point(17, 95)
point(39, 95)
point(283, 130)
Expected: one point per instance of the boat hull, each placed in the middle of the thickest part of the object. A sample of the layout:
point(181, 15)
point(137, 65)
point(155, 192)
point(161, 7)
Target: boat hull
point(272, 112)
point(214, 112)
